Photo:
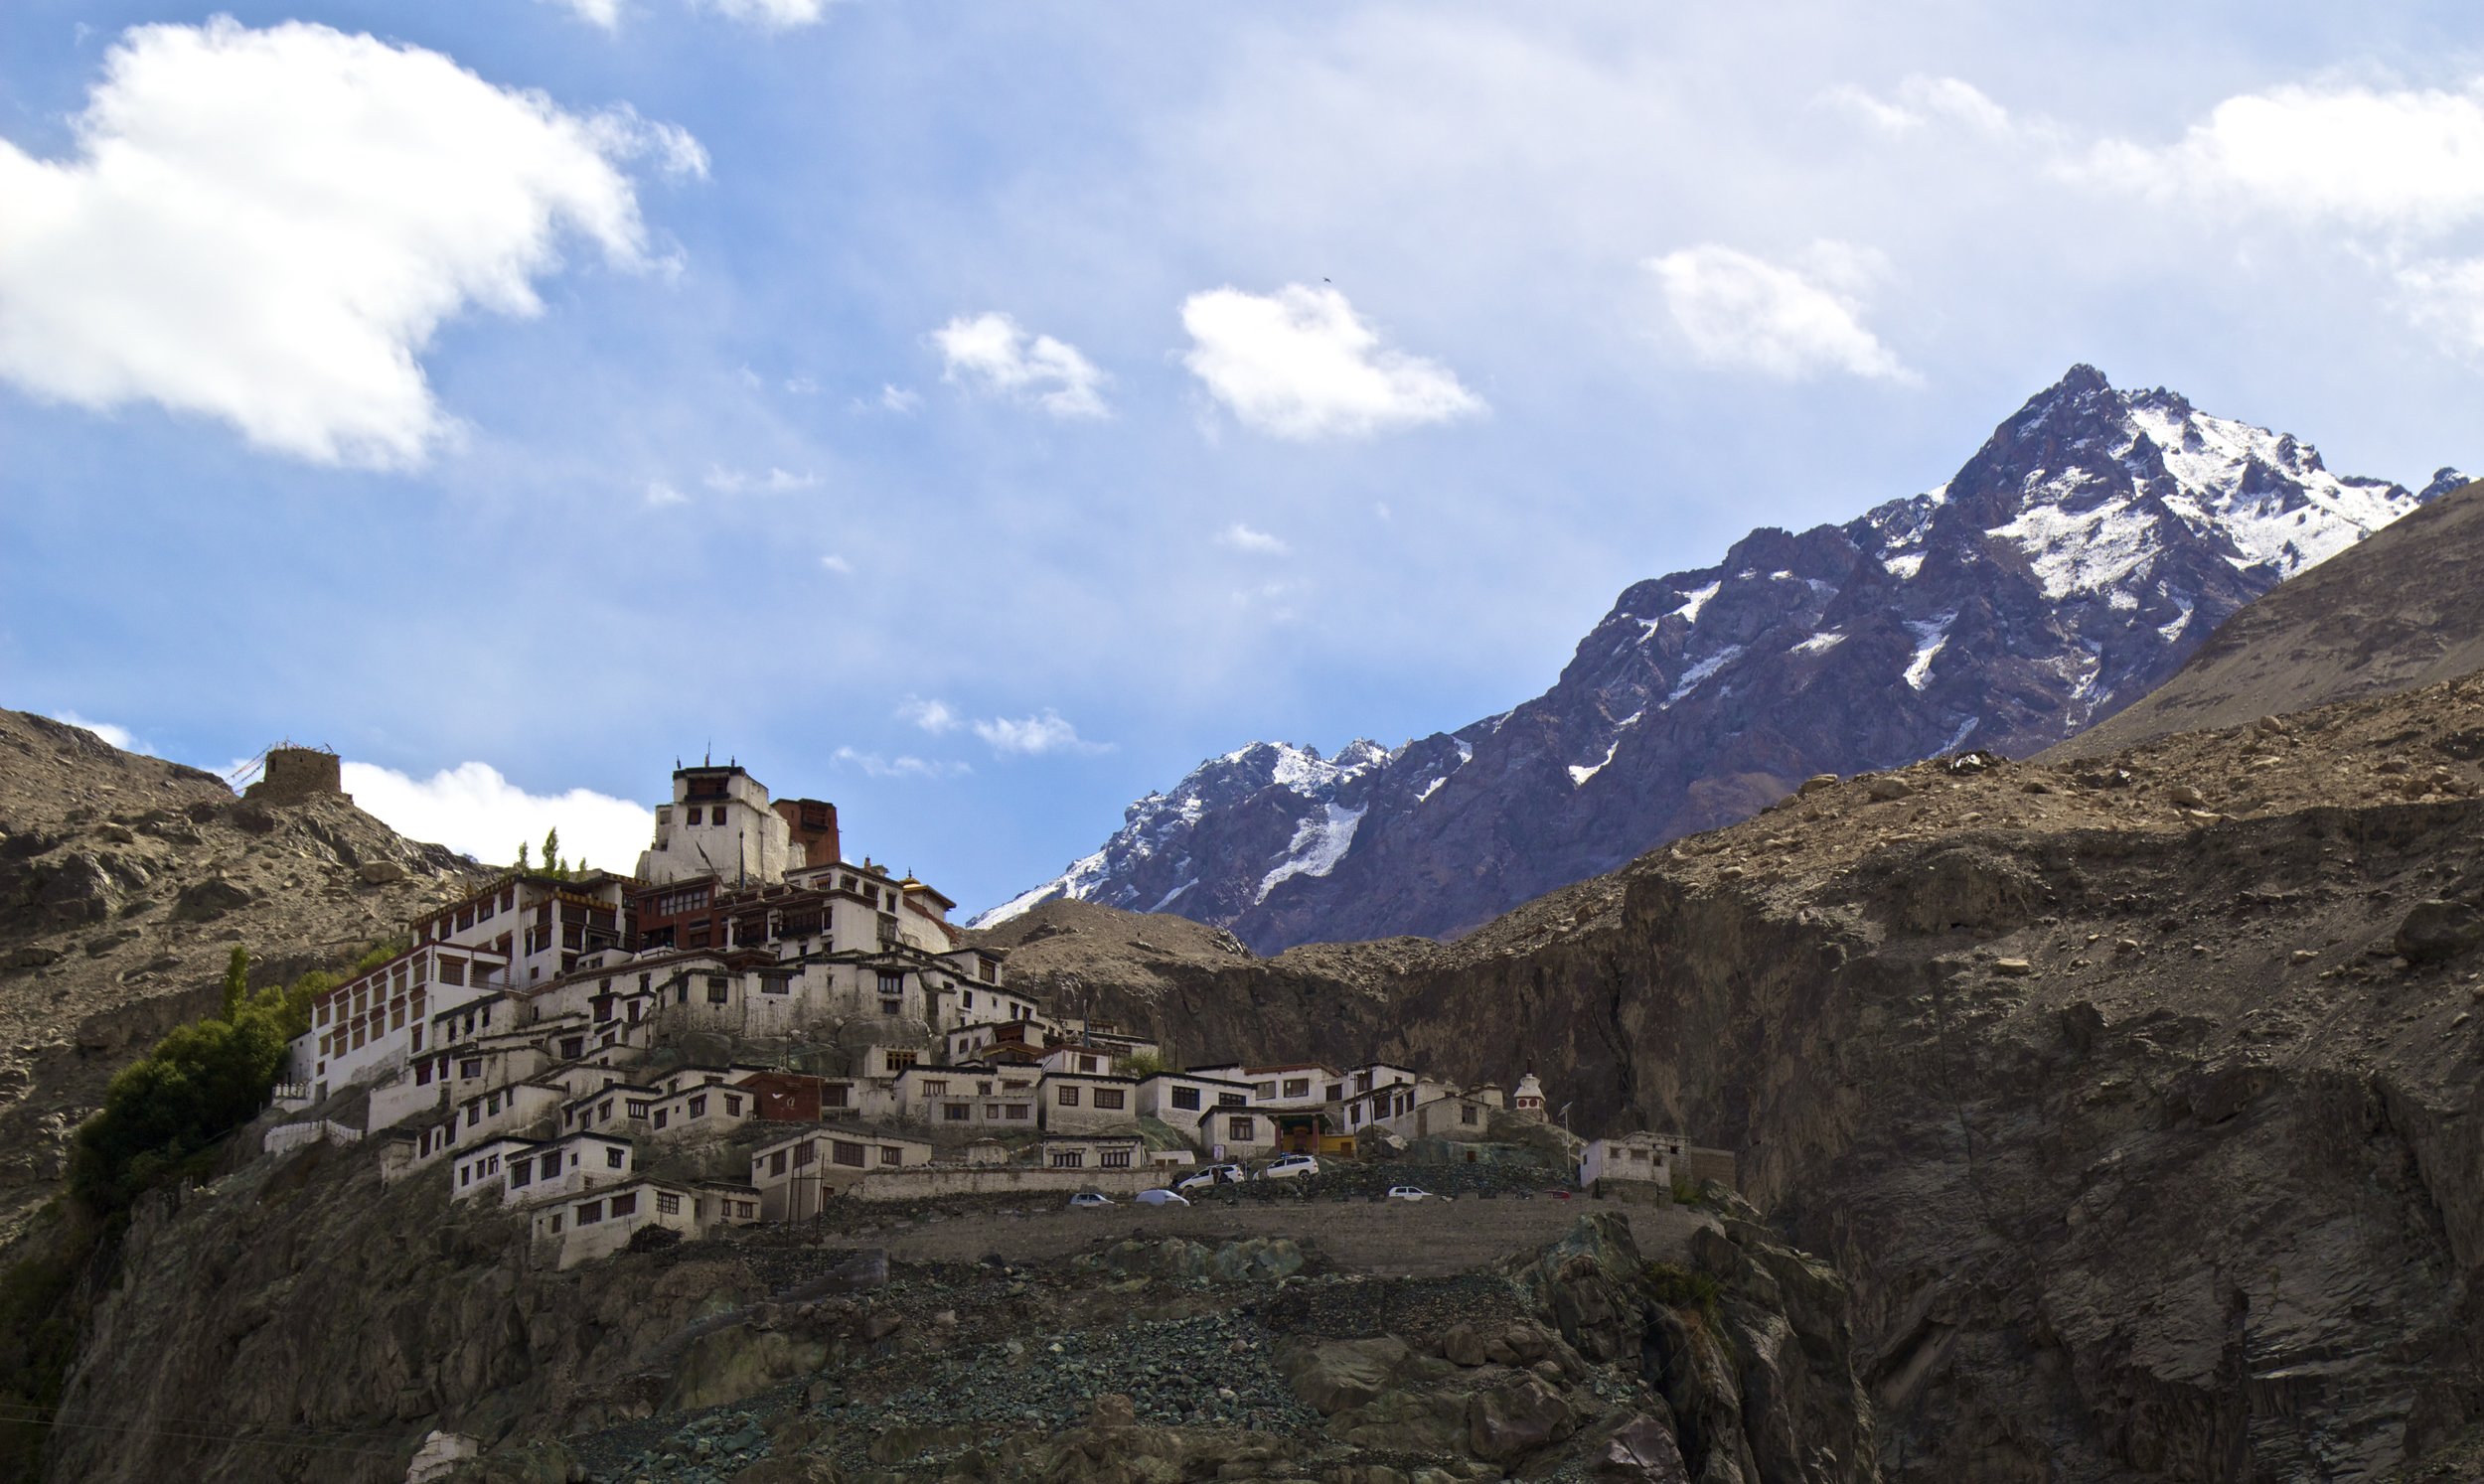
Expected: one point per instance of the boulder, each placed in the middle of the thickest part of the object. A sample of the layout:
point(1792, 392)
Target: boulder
point(1816, 782)
point(1644, 1451)
point(1462, 1343)
point(2437, 931)
point(1888, 787)
point(1340, 1375)
point(1508, 1423)
point(207, 900)
point(380, 873)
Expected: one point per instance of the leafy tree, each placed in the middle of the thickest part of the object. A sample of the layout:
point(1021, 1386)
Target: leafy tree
point(1142, 1064)
point(551, 849)
point(164, 1113)
point(237, 980)
point(522, 855)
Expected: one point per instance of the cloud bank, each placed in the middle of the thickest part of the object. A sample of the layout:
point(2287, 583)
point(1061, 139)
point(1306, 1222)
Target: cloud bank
point(471, 808)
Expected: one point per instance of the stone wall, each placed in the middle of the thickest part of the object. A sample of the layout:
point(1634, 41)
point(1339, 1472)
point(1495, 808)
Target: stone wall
point(921, 1184)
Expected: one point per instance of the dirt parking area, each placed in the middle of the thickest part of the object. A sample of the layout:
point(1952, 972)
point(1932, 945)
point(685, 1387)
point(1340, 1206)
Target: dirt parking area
point(1394, 1239)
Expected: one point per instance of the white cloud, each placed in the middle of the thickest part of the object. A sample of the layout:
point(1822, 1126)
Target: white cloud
point(1242, 538)
point(1300, 363)
point(772, 14)
point(2396, 170)
point(831, 562)
point(801, 386)
point(898, 399)
point(603, 13)
point(119, 736)
point(2406, 162)
point(1920, 100)
point(661, 494)
point(742, 482)
point(873, 765)
point(933, 716)
point(471, 808)
point(267, 228)
point(991, 352)
point(1033, 736)
point(1735, 309)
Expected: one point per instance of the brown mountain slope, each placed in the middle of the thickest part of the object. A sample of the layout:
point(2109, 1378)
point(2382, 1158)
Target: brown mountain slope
point(125, 883)
point(2405, 607)
point(2105, 1083)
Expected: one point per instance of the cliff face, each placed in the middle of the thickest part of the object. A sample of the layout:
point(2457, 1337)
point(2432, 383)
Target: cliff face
point(125, 881)
point(2131, 1095)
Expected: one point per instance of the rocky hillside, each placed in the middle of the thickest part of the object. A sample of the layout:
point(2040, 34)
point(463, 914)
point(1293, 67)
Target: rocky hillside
point(2063, 572)
point(2404, 609)
point(125, 883)
point(2132, 1095)
point(296, 1321)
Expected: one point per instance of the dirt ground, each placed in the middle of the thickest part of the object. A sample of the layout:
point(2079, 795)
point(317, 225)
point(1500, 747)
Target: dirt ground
point(1395, 1238)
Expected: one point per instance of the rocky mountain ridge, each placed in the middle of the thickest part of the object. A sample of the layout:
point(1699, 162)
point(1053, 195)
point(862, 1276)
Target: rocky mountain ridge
point(2087, 547)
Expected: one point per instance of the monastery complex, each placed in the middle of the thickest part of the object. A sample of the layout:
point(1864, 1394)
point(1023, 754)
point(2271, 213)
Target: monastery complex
point(752, 1026)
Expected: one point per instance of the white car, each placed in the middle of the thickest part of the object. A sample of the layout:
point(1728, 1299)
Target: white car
point(1088, 1200)
point(1214, 1174)
point(1160, 1198)
point(1412, 1193)
point(1291, 1166)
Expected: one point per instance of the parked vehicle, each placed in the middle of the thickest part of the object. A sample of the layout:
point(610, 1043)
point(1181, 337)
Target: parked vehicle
point(1412, 1193)
point(1160, 1198)
point(1558, 1195)
point(1289, 1166)
point(1088, 1200)
point(1214, 1174)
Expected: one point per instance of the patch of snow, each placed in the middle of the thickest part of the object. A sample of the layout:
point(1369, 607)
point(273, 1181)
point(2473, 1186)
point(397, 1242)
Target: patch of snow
point(1167, 899)
point(1959, 735)
point(1431, 788)
point(1903, 567)
point(1698, 674)
point(1779, 577)
point(1318, 843)
point(1579, 775)
point(1931, 635)
point(2081, 551)
point(2172, 631)
point(1695, 601)
point(1821, 643)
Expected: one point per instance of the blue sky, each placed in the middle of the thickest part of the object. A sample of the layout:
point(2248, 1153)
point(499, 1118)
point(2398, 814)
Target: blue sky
point(978, 414)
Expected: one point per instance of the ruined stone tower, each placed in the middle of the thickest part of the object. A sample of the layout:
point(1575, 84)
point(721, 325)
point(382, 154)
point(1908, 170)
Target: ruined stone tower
point(294, 774)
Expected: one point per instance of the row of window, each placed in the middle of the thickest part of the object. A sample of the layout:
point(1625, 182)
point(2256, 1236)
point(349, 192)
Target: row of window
point(1076, 1160)
point(1105, 1098)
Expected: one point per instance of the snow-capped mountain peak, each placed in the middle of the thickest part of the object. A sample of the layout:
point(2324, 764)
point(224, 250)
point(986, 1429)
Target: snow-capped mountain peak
point(2094, 539)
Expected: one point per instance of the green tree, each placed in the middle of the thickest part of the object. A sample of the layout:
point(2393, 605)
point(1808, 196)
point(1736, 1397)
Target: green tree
point(237, 980)
point(522, 855)
point(552, 850)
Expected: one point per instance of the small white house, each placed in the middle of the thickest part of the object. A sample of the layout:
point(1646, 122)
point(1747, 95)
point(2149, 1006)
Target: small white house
point(1084, 1102)
point(1633, 1156)
point(479, 1169)
point(564, 1166)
